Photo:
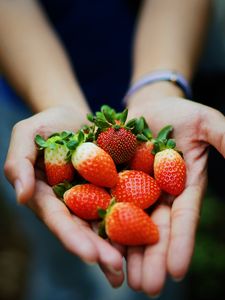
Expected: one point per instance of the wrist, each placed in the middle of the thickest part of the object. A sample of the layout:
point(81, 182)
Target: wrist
point(155, 90)
point(176, 78)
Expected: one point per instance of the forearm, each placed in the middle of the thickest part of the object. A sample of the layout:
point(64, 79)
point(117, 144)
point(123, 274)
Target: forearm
point(33, 59)
point(170, 35)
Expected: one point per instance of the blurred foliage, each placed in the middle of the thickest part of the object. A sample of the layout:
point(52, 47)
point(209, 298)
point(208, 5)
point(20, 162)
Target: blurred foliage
point(13, 256)
point(207, 272)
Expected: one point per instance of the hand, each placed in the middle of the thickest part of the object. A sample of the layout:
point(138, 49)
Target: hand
point(195, 128)
point(76, 235)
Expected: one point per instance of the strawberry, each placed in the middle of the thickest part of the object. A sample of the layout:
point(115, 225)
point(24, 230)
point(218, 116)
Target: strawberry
point(84, 200)
point(58, 166)
point(114, 135)
point(95, 165)
point(119, 142)
point(170, 171)
point(143, 158)
point(137, 187)
point(169, 166)
point(127, 224)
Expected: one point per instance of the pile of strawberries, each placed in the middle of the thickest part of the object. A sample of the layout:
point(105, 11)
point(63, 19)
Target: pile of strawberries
point(114, 170)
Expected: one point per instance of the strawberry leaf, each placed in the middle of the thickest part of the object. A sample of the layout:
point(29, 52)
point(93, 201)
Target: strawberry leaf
point(108, 116)
point(145, 123)
point(66, 135)
point(60, 142)
point(101, 230)
point(90, 117)
point(109, 110)
point(71, 145)
point(61, 188)
point(147, 133)
point(80, 137)
point(101, 123)
point(54, 134)
point(164, 132)
point(142, 138)
point(101, 213)
point(100, 115)
point(171, 144)
point(123, 116)
point(40, 142)
point(140, 124)
point(156, 147)
point(131, 123)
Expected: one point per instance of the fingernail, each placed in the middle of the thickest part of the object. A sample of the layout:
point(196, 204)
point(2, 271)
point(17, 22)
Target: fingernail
point(113, 271)
point(155, 296)
point(19, 189)
point(89, 263)
point(179, 279)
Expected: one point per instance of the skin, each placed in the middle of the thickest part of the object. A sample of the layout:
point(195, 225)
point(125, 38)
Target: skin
point(168, 36)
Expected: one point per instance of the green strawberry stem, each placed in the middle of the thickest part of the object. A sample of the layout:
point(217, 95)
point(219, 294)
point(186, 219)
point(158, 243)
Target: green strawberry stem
point(102, 214)
point(61, 188)
point(162, 141)
point(107, 117)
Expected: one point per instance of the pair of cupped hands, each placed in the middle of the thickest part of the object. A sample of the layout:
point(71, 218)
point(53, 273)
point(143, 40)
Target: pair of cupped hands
point(196, 126)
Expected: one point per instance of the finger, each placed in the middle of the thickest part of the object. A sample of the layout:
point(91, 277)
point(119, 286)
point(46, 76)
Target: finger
point(58, 219)
point(134, 267)
point(184, 220)
point(109, 256)
point(19, 163)
point(154, 267)
point(115, 278)
point(214, 129)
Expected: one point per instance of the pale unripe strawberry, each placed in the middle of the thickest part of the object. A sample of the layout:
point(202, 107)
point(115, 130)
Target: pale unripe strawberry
point(58, 167)
point(95, 165)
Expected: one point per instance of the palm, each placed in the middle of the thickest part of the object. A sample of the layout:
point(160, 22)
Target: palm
point(75, 234)
point(177, 222)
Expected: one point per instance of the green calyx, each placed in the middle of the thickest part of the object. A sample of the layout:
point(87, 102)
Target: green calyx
point(109, 118)
point(60, 138)
point(61, 188)
point(68, 139)
point(142, 130)
point(162, 141)
point(102, 214)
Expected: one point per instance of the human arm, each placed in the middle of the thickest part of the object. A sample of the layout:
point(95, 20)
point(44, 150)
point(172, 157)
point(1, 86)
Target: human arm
point(170, 35)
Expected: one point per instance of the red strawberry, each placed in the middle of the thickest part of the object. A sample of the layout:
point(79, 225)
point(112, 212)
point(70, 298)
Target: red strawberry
point(137, 187)
point(143, 158)
point(58, 167)
point(84, 200)
point(170, 171)
point(95, 165)
point(127, 224)
point(119, 143)
point(114, 135)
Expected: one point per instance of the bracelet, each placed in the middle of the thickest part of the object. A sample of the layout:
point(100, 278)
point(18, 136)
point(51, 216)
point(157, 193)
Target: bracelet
point(163, 75)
